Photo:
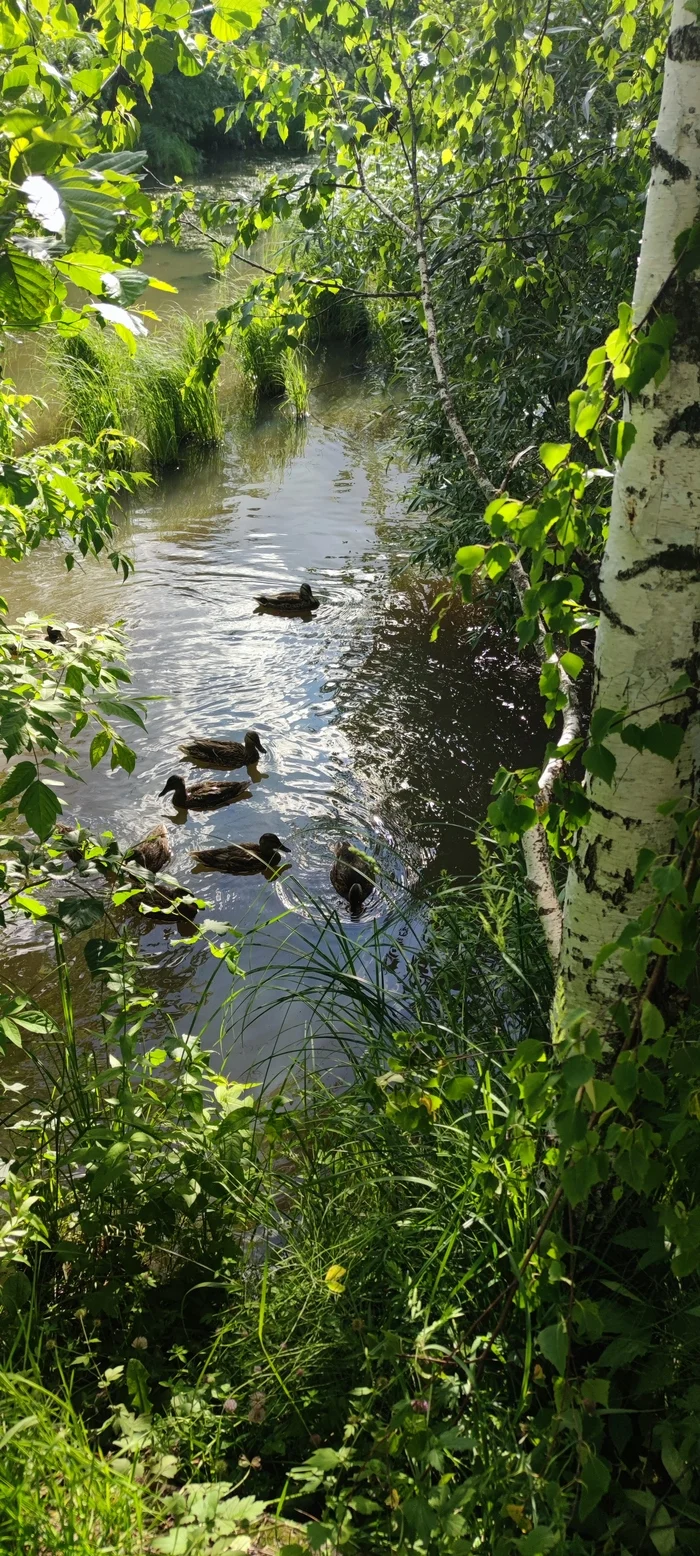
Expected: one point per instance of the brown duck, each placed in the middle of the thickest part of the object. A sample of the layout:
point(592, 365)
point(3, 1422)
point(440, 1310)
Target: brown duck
point(225, 753)
point(352, 875)
point(291, 601)
point(153, 852)
point(171, 902)
point(244, 858)
point(204, 796)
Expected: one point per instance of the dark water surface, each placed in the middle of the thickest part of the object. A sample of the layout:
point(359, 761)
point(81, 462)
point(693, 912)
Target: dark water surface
point(372, 732)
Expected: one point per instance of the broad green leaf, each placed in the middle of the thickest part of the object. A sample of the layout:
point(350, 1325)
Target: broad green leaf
point(554, 1344)
point(137, 1384)
point(120, 710)
point(664, 739)
point(653, 1024)
point(599, 761)
point(40, 806)
point(160, 56)
point(79, 913)
point(554, 454)
point(26, 289)
point(578, 1179)
point(468, 558)
point(622, 437)
point(17, 780)
point(99, 746)
point(595, 1480)
point(572, 663)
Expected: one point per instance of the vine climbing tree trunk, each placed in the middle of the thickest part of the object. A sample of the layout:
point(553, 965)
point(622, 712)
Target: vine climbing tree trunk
point(650, 629)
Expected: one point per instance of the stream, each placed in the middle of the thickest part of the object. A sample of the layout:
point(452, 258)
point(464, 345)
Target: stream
point(373, 733)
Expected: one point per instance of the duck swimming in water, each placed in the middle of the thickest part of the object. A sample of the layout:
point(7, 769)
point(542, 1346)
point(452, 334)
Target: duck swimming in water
point(204, 796)
point(153, 852)
point(225, 753)
point(244, 858)
point(292, 600)
point(352, 875)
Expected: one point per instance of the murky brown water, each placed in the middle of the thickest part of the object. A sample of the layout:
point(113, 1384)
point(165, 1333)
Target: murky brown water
point(372, 732)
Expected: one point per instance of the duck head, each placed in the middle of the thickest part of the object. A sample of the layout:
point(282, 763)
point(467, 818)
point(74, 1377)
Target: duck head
point(176, 786)
point(269, 843)
point(306, 592)
point(355, 897)
point(253, 746)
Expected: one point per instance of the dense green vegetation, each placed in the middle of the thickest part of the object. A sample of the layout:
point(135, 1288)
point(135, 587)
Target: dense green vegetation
point(453, 1305)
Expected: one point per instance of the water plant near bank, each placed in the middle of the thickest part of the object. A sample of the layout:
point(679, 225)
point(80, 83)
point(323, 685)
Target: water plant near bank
point(146, 393)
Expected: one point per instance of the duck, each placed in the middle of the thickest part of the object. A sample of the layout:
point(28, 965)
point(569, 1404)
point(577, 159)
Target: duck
point(225, 753)
point(245, 858)
point(352, 875)
point(171, 902)
point(204, 796)
point(70, 840)
point(301, 599)
point(54, 635)
point(153, 852)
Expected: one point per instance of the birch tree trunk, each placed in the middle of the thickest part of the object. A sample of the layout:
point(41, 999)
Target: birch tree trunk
point(650, 630)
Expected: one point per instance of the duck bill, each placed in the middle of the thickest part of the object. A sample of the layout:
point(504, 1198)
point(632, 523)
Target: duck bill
point(166, 790)
point(261, 750)
point(285, 849)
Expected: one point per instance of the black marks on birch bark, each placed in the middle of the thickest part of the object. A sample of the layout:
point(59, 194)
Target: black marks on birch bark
point(677, 170)
point(684, 44)
point(673, 559)
point(686, 421)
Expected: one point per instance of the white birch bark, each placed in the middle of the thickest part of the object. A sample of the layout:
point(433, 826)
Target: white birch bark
point(650, 629)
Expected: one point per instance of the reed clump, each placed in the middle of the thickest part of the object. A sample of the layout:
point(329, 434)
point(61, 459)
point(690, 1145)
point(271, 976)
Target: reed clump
point(145, 394)
point(296, 382)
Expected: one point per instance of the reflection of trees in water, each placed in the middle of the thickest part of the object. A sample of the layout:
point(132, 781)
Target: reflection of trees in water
point(431, 722)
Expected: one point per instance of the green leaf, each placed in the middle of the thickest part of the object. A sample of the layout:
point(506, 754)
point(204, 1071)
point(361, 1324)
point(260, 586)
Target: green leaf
point(123, 756)
point(664, 739)
point(653, 1024)
point(99, 746)
point(120, 710)
point(687, 245)
point(599, 761)
point(160, 56)
point(468, 558)
point(40, 806)
point(645, 860)
point(17, 781)
point(572, 663)
point(79, 913)
point(578, 1179)
point(622, 437)
point(538, 1542)
point(554, 454)
point(458, 1088)
point(595, 1480)
point(554, 1344)
point(601, 723)
point(577, 1071)
point(137, 1384)
point(26, 289)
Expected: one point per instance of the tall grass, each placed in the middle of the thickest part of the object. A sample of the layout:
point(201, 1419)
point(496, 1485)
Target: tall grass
point(296, 383)
point(58, 1494)
point(145, 394)
point(261, 346)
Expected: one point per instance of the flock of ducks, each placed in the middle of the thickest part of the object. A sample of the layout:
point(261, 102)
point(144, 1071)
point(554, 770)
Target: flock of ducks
point(352, 873)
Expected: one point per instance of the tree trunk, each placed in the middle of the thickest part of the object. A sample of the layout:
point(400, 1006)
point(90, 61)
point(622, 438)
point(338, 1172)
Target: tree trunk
point(650, 631)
